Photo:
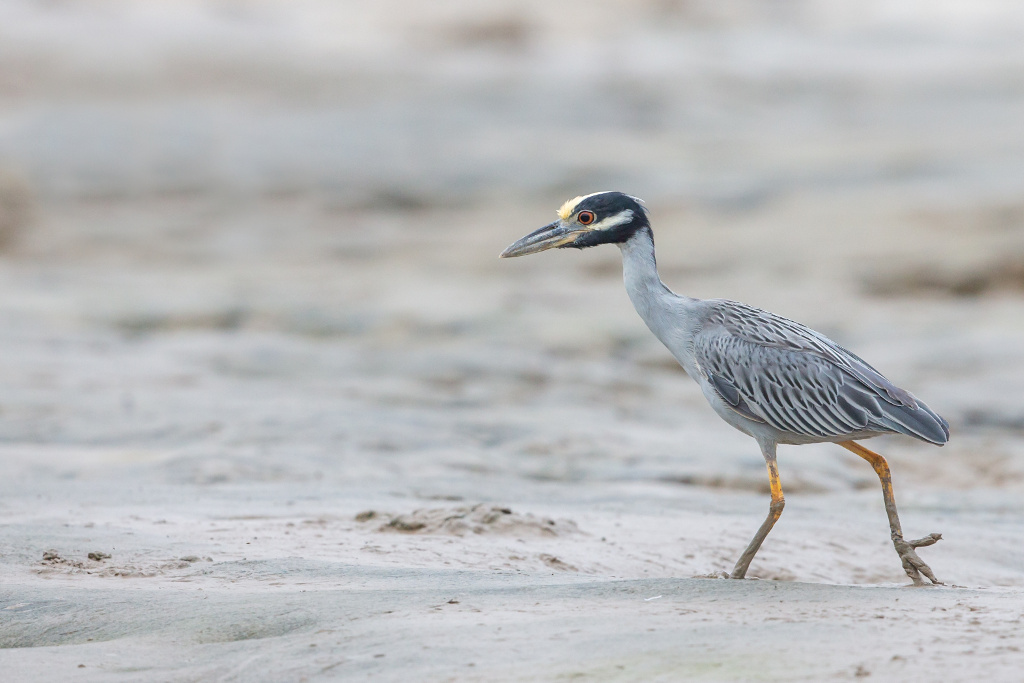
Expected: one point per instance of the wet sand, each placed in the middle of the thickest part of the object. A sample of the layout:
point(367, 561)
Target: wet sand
point(310, 428)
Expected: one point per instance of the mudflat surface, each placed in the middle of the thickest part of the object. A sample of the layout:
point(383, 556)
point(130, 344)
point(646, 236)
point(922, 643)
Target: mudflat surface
point(271, 408)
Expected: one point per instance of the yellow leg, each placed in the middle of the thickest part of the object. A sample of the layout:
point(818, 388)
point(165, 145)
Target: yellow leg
point(913, 565)
point(774, 512)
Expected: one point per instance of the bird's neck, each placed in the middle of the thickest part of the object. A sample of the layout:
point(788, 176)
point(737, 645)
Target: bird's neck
point(667, 314)
point(640, 271)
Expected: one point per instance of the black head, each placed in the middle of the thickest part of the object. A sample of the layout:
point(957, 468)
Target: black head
point(616, 217)
point(599, 218)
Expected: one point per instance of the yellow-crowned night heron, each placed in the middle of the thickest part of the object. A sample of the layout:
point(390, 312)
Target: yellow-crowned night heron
point(771, 378)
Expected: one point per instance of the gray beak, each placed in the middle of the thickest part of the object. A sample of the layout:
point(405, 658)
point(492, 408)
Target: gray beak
point(552, 235)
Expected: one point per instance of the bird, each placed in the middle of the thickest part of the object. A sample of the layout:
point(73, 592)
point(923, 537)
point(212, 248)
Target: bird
point(774, 379)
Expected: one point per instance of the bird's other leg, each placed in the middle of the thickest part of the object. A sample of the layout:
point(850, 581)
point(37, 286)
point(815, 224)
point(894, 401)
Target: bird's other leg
point(913, 565)
point(774, 512)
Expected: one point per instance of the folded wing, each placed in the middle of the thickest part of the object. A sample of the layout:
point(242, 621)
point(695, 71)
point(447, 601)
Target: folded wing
point(780, 372)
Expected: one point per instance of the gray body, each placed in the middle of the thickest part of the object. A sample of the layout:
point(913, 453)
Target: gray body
point(771, 378)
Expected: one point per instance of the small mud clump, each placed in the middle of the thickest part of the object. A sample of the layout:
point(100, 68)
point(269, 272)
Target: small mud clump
point(555, 563)
point(54, 563)
point(53, 558)
point(478, 519)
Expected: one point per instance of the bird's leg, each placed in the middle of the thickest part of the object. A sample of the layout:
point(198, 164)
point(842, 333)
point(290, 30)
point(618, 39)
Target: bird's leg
point(774, 512)
point(913, 565)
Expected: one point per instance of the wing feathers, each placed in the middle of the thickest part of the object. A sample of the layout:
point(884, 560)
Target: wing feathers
point(726, 389)
point(799, 381)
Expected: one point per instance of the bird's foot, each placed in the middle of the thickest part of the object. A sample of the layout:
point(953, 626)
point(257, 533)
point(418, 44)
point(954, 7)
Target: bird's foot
point(913, 565)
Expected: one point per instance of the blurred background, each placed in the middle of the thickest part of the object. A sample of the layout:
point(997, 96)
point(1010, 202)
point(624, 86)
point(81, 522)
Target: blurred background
point(253, 243)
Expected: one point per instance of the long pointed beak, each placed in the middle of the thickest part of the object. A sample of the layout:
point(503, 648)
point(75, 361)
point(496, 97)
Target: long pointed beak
point(552, 235)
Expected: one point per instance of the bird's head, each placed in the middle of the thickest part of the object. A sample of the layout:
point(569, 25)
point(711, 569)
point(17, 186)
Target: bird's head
point(599, 218)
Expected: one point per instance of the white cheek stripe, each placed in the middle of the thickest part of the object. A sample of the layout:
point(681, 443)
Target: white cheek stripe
point(621, 218)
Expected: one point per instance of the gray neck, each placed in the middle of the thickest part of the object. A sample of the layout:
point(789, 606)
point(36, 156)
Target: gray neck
point(669, 316)
point(640, 273)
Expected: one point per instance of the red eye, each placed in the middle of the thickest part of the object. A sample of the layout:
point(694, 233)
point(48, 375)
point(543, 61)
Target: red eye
point(585, 217)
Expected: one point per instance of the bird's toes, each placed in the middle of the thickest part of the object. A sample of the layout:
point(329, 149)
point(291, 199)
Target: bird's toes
point(920, 566)
point(913, 565)
point(911, 570)
point(930, 539)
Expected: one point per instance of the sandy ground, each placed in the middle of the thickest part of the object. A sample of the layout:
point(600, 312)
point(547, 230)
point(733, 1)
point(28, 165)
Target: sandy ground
point(271, 409)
